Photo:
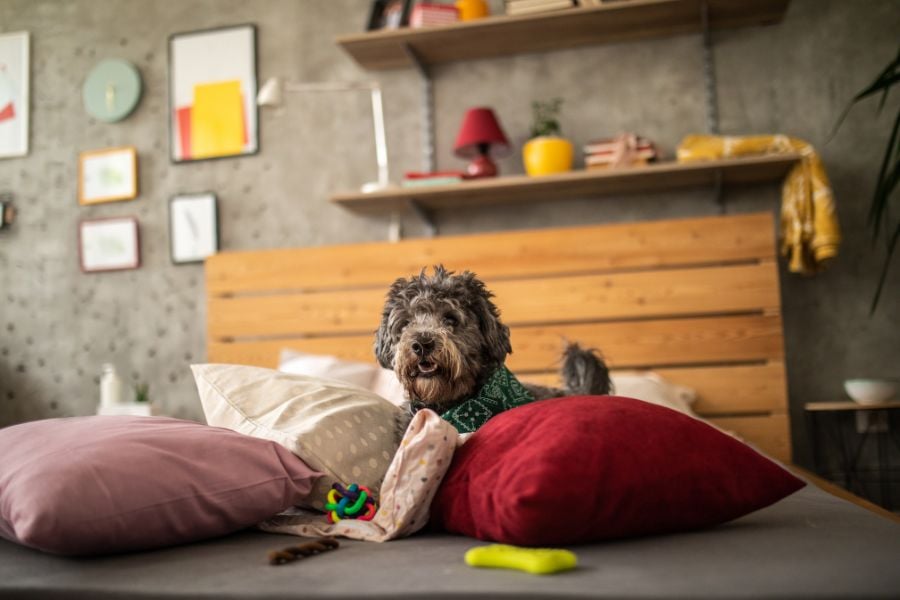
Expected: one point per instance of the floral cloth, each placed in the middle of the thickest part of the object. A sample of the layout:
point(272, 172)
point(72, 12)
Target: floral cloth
point(409, 486)
point(810, 234)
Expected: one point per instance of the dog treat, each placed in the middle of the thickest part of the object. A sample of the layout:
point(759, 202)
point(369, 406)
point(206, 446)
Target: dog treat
point(292, 553)
point(353, 502)
point(538, 561)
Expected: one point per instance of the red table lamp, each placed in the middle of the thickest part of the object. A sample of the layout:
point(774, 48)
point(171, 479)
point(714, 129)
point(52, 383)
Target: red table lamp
point(479, 137)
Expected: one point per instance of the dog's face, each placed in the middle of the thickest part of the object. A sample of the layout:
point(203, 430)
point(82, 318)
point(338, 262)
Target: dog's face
point(442, 336)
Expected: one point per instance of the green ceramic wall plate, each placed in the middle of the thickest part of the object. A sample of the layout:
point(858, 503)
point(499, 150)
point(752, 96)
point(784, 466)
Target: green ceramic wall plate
point(112, 90)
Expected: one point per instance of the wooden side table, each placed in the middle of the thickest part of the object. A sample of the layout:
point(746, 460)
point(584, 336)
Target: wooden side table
point(831, 418)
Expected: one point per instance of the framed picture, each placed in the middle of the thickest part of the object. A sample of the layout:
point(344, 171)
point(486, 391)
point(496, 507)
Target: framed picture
point(14, 48)
point(107, 175)
point(193, 227)
point(109, 244)
point(212, 94)
point(389, 14)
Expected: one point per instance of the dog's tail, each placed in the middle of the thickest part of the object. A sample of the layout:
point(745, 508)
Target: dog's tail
point(584, 373)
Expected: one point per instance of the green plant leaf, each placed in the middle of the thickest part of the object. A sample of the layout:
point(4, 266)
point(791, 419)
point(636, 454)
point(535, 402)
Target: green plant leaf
point(885, 79)
point(883, 82)
point(880, 198)
point(885, 268)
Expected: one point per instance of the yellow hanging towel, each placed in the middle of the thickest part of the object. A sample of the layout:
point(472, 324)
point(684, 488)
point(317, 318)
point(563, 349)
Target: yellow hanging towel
point(810, 234)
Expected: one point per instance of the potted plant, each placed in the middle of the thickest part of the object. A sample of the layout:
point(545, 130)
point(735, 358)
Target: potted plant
point(547, 152)
point(141, 392)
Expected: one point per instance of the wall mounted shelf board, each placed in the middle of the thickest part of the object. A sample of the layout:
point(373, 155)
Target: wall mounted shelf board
point(504, 35)
point(655, 177)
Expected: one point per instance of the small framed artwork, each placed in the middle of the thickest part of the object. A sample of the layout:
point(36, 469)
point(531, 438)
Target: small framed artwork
point(194, 227)
point(109, 244)
point(389, 14)
point(14, 85)
point(212, 94)
point(107, 175)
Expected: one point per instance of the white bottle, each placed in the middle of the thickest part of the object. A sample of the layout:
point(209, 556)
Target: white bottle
point(110, 386)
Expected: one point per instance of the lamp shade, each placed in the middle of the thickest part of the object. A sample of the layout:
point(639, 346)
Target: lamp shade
point(480, 127)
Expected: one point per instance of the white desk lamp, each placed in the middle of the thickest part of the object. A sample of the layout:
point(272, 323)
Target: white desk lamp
point(272, 94)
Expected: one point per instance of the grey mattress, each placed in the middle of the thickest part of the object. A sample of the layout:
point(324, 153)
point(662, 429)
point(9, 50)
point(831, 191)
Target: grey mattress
point(810, 544)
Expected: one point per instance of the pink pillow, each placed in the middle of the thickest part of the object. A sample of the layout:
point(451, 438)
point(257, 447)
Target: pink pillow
point(582, 469)
point(97, 485)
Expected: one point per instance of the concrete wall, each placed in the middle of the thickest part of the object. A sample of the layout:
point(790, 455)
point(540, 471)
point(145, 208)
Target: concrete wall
point(58, 325)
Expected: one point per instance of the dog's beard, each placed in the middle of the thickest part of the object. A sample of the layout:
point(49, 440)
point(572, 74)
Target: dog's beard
point(439, 380)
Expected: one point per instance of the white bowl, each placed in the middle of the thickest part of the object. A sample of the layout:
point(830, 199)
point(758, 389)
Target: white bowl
point(870, 391)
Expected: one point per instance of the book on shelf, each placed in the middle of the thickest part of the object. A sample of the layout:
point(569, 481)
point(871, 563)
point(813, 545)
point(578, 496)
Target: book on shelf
point(524, 7)
point(417, 179)
point(626, 149)
point(430, 14)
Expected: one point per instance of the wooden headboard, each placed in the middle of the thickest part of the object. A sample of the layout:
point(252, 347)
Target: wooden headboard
point(697, 300)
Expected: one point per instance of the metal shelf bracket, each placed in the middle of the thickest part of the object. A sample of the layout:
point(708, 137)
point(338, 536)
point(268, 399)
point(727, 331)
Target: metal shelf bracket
point(425, 216)
point(428, 158)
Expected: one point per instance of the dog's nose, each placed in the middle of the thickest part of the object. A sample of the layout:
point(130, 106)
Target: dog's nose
point(422, 346)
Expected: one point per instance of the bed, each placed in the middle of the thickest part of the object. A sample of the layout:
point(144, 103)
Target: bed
point(696, 300)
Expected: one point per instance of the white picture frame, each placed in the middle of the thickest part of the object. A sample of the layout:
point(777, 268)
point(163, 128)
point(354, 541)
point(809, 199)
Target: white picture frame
point(109, 244)
point(14, 93)
point(193, 227)
point(107, 175)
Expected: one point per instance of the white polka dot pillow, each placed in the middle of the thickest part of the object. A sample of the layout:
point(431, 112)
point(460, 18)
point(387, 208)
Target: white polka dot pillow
point(337, 428)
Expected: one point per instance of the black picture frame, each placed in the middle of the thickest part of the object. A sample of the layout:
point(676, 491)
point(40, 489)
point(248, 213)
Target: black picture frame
point(389, 14)
point(252, 92)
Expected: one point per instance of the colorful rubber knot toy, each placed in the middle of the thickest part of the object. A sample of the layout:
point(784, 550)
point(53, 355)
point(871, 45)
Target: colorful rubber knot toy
point(353, 502)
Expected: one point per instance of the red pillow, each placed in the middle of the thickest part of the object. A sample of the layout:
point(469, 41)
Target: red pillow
point(581, 469)
point(97, 485)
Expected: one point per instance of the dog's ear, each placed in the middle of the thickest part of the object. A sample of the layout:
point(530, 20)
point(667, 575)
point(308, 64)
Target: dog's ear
point(495, 333)
point(384, 347)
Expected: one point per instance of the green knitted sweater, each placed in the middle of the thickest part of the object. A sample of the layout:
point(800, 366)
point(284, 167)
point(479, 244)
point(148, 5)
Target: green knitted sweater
point(502, 391)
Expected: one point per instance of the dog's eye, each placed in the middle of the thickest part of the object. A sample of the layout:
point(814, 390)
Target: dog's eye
point(450, 321)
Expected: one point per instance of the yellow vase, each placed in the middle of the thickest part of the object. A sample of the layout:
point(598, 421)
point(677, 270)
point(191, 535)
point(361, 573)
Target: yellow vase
point(546, 155)
point(469, 10)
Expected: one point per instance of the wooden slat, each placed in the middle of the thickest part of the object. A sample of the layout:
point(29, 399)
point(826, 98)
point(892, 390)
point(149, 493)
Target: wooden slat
point(732, 289)
point(721, 390)
point(714, 340)
point(640, 344)
point(266, 353)
point(496, 256)
point(736, 389)
point(771, 434)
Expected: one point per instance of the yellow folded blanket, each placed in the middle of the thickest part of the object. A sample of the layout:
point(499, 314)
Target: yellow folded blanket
point(810, 234)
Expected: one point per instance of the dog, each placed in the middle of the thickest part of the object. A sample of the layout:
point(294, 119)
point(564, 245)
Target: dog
point(443, 338)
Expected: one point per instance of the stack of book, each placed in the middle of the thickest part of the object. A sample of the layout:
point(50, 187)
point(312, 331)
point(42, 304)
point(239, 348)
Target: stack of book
point(624, 150)
point(415, 179)
point(430, 14)
point(527, 7)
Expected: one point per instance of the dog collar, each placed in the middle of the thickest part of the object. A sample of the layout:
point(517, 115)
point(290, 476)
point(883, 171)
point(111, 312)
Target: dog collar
point(502, 391)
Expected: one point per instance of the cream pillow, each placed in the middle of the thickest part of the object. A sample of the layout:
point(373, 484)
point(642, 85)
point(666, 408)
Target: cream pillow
point(330, 367)
point(337, 428)
point(366, 375)
point(651, 387)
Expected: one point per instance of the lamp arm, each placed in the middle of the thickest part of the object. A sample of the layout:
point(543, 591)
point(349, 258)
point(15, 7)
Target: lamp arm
point(272, 90)
point(330, 86)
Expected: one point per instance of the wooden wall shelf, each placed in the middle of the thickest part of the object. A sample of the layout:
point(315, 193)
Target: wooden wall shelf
point(503, 35)
point(574, 184)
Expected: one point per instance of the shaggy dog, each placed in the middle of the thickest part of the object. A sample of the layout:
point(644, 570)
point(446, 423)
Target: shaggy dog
point(443, 337)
